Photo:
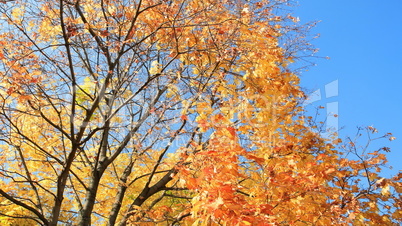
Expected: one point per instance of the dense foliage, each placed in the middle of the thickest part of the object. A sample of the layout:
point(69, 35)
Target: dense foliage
point(181, 112)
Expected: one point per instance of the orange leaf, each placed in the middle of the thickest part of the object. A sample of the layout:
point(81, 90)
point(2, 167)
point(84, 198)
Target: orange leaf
point(184, 117)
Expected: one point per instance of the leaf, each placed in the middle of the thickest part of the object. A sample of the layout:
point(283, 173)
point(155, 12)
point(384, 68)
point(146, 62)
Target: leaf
point(385, 191)
point(155, 68)
point(217, 203)
point(18, 13)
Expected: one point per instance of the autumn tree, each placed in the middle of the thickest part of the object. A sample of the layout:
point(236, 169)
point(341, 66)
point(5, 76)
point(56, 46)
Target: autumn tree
point(181, 112)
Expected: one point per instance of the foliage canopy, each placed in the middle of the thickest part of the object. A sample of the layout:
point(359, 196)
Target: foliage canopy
point(170, 112)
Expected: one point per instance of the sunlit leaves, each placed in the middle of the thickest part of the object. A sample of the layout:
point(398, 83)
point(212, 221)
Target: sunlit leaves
point(170, 112)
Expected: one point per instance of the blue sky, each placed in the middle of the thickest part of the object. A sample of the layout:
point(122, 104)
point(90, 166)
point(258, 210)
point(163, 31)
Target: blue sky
point(364, 42)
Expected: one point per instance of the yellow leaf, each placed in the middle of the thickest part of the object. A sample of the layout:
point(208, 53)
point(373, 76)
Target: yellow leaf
point(217, 203)
point(155, 67)
point(385, 190)
point(18, 13)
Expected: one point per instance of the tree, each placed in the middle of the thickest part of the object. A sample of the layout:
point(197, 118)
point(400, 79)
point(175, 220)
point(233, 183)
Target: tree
point(170, 112)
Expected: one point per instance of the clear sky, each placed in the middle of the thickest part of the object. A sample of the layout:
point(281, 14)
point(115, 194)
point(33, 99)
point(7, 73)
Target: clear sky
point(363, 39)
